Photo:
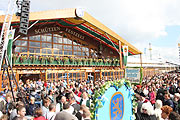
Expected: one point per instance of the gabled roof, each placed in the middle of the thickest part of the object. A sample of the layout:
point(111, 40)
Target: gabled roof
point(86, 24)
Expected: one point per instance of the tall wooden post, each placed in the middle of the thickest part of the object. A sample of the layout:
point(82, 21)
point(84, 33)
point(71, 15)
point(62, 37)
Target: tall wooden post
point(120, 55)
point(1, 81)
point(141, 60)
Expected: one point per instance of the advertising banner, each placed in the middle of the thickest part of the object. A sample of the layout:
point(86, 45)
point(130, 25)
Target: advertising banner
point(133, 74)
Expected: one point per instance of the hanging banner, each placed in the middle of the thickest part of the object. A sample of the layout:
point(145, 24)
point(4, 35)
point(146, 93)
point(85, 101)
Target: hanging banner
point(4, 43)
point(125, 54)
point(9, 47)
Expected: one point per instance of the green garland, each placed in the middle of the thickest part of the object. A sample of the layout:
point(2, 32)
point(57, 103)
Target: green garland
point(97, 103)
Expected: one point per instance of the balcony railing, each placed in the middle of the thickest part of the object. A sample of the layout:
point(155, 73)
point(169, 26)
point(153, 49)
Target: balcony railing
point(63, 60)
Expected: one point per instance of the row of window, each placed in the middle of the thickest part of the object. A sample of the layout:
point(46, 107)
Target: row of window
point(65, 76)
point(43, 45)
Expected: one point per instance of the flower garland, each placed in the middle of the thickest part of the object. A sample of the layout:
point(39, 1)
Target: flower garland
point(97, 101)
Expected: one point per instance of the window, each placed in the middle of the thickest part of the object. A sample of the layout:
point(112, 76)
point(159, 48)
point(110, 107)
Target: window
point(36, 37)
point(21, 49)
point(21, 43)
point(67, 41)
point(46, 45)
point(67, 47)
point(67, 52)
point(34, 44)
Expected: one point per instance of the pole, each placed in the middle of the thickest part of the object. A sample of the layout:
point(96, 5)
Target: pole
point(8, 63)
point(120, 55)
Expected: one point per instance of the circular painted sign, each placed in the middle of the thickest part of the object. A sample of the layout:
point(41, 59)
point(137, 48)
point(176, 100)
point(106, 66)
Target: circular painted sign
point(79, 12)
point(116, 106)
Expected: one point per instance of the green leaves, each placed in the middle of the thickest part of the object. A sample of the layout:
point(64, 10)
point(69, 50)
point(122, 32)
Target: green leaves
point(97, 97)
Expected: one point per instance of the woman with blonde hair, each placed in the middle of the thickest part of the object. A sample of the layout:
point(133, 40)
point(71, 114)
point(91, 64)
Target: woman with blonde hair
point(158, 110)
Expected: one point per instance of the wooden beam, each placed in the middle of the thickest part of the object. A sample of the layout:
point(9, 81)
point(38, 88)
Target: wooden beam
point(120, 55)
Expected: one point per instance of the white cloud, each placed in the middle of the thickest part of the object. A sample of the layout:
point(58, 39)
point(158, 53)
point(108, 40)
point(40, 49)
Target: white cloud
point(2, 12)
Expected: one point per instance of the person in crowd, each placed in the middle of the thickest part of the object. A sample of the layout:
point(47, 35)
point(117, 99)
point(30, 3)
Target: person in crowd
point(9, 104)
point(21, 112)
point(178, 88)
point(147, 112)
point(59, 106)
point(65, 114)
point(168, 100)
point(158, 110)
point(79, 114)
point(174, 116)
point(14, 111)
point(74, 104)
point(139, 90)
point(50, 96)
point(161, 92)
point(172, 89)
point(52, 112)
point(166, 110)
point(176, 102)
point(86, 114)
point(45, 107)
point(2, 102)
point(39, 114)
point(151, 95)
point(31, 107)
point(84, 100)
point(4, 117)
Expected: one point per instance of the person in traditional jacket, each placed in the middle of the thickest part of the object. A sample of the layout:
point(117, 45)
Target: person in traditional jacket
point(84, 100)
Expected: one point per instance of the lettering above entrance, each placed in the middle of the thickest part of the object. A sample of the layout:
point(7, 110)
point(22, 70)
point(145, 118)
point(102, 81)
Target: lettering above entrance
point(46, 30)
point(37, 30)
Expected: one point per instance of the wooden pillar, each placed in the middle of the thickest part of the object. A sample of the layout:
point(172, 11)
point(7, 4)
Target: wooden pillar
point(46, 76)
point(100, 75)
point(141, 60)
point(0, 81)
point(94, 77)
point(68, 78)
point(120, 55)
point(86, 75)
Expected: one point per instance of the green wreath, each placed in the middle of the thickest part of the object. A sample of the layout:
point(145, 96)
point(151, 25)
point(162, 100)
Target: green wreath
point(97, 103)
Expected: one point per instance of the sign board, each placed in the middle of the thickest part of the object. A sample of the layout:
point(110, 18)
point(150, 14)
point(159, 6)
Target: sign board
point(117, 104)
point(133, 74)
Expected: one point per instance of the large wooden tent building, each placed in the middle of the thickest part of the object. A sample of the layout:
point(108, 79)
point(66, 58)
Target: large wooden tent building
point(67, 44)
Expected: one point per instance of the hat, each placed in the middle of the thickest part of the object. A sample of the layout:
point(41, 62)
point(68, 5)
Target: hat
point(138, 86)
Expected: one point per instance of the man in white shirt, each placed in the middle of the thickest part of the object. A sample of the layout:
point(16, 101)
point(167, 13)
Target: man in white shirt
point(45, 107)
point(52, 112)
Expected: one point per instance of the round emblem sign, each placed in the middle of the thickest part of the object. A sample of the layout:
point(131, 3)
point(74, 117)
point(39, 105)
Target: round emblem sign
point(79, 12)
point(116, 106)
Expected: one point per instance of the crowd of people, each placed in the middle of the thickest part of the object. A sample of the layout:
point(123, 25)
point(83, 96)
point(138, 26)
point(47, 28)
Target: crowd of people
point(39, 100)
point(158, 97)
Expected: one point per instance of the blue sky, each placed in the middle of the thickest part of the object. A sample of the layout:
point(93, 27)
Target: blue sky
point(140, 22)
point(173, 34)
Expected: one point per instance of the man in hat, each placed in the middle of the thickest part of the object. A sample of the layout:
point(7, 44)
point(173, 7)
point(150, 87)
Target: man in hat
point(139, 90)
